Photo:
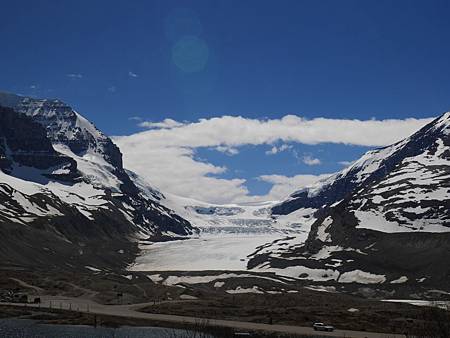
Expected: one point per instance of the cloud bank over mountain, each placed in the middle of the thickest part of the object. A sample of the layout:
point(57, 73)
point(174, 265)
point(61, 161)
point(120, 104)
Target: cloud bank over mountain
point(165, 153)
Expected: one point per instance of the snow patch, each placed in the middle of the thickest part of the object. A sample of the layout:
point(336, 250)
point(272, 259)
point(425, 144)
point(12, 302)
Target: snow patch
point(402, 279)
point(219, 284)
point(239, 289)
point(361, 277)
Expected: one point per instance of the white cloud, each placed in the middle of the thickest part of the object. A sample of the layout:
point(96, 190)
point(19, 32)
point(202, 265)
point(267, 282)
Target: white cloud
point(227, 150)
point(75, 75)
point(135, 118)
point(275, 150)
point(308, 160)
point(237, 131)
point(174, 170)
point(131, 74)
point(165, 153)
point(165, 124)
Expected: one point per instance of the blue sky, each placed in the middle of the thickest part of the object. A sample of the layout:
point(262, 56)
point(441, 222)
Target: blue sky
point(186, 60)
point(252, 161)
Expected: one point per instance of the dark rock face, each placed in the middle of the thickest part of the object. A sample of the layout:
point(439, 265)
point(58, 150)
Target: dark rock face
point(82, 213)
point(65, 126)
point(25, 142)
point(67, 241)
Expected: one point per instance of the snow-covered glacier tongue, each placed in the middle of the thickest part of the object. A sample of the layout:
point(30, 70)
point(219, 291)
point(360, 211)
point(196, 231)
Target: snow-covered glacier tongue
point(218, 254)
point(62, 182)
point(383, 221)
point(227, 235)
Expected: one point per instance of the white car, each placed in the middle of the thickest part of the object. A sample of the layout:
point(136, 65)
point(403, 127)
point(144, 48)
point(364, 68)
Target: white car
point(322, 327)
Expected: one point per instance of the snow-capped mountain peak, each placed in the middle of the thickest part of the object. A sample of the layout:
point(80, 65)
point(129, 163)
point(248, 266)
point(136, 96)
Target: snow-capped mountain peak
point(372, 166)
point(58, 169)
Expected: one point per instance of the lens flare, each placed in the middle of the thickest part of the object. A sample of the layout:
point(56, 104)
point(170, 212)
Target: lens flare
point(190, 54)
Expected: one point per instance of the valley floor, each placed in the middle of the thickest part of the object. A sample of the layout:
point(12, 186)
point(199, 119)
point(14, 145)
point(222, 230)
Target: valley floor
point(77, 304)
point(135, 296)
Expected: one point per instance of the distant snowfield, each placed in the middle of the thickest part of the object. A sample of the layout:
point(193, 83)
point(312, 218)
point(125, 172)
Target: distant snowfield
point(208, 252)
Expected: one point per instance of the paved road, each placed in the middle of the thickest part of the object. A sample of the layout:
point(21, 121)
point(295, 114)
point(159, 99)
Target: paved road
point(130, 311)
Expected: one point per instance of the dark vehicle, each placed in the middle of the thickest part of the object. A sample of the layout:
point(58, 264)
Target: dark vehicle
point(323, 327)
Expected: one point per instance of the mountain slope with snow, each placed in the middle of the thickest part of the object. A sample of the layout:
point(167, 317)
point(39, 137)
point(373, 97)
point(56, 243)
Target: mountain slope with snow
point(405, 182)
point(386, 217)
point(62, 179)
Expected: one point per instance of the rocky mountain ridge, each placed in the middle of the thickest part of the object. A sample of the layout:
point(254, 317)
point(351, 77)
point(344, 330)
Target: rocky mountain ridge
point(385, 220)
point(62, 180)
